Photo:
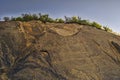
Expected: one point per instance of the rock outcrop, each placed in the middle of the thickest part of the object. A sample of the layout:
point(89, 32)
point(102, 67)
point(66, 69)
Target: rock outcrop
point(56, 51)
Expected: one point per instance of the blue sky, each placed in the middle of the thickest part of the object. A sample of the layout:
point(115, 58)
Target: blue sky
point(105, 12)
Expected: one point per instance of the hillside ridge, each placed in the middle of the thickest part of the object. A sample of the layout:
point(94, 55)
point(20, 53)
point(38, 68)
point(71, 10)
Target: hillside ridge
point(56, 51)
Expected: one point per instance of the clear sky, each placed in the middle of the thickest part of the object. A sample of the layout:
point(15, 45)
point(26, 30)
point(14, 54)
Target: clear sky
point(105, 12)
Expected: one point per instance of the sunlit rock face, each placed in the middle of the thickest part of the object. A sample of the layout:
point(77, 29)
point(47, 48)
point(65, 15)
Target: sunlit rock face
point(56, 51)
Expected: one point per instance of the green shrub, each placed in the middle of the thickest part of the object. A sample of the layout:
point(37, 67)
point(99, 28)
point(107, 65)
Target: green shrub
point(6, 19)
point(35, 17)
point(27, 17)
point(95, 24)
point(19, 19)
point(107, 29)
point(50, 20)
point(59, 20)
point(45, 18)
point(84, 22)
point(74, 19)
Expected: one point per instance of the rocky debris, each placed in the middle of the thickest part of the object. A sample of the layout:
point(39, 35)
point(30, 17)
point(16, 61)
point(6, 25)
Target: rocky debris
point(55, 51)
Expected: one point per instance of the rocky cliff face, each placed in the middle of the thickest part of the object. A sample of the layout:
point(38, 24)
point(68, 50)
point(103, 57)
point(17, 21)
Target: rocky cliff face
point(37, 51)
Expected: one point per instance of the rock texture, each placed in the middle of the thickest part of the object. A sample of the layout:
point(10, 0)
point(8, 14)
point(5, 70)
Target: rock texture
point(56, 51)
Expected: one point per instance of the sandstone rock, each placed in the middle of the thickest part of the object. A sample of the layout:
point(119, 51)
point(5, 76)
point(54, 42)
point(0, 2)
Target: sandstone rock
point(52, 51)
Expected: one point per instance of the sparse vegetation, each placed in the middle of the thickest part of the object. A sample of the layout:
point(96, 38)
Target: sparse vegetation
point(45, 18)
point(59, 20)
point(74, 19)
point(97, 25)
point(107, 29)
point(6, 19)
point(84, 22)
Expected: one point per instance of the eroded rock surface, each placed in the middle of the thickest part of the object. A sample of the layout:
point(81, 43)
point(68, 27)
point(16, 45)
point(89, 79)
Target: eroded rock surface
point(54, 51)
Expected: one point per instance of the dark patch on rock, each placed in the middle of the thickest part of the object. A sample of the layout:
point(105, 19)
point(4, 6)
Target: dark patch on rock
point(116, 46)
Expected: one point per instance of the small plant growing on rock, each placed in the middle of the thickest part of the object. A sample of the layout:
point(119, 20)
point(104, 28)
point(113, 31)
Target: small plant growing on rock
point(97, 25)
point(107, 29)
